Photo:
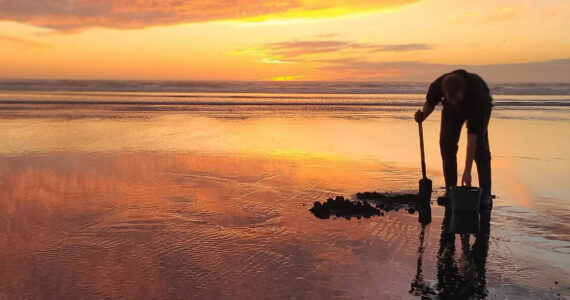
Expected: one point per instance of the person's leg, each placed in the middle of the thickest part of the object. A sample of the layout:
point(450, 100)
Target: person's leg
point(483, 161)
point(448, 138)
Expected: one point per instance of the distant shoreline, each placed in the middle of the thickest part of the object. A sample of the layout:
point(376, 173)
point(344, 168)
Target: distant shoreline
point(268, 87)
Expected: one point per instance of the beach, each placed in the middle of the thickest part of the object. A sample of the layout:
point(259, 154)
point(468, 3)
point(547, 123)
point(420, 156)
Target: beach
point(203, 195)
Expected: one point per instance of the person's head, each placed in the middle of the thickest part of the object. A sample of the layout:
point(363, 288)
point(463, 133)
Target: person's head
point(453, 86)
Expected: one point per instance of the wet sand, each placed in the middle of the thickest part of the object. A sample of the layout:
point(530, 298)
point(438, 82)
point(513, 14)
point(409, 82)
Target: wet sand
point(216, 205)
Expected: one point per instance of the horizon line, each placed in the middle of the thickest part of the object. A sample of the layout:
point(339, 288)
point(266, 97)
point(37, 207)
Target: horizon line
point(266, 80)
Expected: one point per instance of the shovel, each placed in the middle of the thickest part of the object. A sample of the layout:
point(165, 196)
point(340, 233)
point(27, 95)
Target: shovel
point(424, 196)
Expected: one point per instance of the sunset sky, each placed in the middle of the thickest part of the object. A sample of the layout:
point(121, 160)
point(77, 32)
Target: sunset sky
point(396, 40)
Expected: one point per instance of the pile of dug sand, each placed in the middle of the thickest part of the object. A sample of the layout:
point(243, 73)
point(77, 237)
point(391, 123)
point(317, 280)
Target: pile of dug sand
point(388, 202)
point(368, 205)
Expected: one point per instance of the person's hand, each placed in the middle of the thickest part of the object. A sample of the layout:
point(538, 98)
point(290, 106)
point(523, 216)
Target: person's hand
point(466, 179)
point(419, 116)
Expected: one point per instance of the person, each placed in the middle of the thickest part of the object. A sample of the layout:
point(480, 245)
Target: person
point(465, 97)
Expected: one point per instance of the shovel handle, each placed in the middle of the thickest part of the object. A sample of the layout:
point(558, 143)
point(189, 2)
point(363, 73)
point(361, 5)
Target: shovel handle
point(422, 150)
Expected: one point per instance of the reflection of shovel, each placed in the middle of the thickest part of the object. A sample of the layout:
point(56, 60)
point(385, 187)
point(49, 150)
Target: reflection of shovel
point(419, 287)
point(425, 183)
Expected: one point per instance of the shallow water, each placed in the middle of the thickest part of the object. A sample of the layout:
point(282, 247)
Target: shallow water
point(99, 203)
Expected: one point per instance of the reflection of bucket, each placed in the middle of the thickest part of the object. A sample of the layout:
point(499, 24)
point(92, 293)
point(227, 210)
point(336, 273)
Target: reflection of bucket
point(464, 209)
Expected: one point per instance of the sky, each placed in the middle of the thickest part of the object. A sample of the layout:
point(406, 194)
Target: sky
point(363, 40)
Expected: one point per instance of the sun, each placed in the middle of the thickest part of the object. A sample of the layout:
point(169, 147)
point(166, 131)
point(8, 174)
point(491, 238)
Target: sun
point(287, 77)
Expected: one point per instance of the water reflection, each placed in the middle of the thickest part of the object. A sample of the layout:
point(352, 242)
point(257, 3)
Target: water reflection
point(462, 277)
point(193, 204)
point(76, 225)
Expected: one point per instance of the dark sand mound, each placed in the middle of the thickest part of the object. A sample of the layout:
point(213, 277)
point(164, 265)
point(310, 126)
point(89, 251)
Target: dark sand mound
point(388, 202)
point(345, 208)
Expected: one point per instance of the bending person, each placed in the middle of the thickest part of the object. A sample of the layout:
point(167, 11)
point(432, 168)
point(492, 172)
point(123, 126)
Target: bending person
point(465, 97)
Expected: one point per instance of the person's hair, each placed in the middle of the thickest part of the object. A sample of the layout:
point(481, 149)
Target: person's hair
point(453, 83)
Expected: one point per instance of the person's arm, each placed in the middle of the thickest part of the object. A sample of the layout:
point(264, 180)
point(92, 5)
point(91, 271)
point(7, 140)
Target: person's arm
point(433, 97)
point(427, 109)
point(421, 115)
point(471, 146)
point(474, 124)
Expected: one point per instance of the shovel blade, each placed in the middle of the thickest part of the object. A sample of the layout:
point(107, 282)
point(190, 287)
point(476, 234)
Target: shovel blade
point(425, 190)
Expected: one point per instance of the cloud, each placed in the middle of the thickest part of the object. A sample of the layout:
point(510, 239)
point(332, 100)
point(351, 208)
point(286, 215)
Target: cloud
point(365, 70)
point(22, 43)
point(297, 48)
point(276, 61)
point(500, 14)
point(405, 47)
point(494, 15)
point(327, 35)
point(557, 10)
point(360, 69)
point(294, 49)
point(127, 14)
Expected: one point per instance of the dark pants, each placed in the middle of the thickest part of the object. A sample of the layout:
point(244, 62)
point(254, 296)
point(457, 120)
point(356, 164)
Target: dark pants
point(451, 124)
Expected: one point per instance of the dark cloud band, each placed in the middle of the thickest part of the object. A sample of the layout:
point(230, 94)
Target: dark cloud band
point(294, 49)
point(124, 14)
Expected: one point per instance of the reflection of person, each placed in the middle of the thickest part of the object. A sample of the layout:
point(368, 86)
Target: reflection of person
point(465, 97)
point(466, 280)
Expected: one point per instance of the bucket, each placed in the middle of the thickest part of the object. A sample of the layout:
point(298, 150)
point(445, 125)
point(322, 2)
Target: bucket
point(464, 209)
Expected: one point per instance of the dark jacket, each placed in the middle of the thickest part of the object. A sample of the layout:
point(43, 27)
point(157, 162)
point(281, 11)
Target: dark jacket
point(477, 100)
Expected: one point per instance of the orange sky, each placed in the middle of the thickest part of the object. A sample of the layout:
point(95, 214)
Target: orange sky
point(510, 40)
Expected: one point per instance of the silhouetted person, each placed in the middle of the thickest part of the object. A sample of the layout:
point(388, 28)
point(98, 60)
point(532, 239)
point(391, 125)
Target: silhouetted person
point(465, 97)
